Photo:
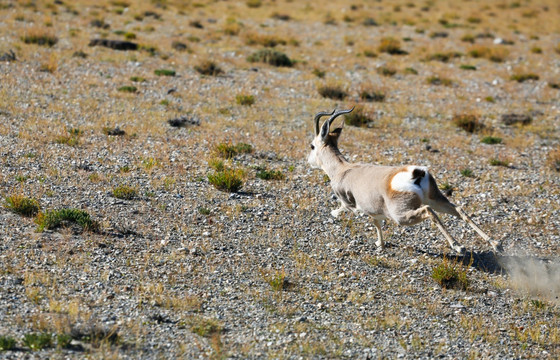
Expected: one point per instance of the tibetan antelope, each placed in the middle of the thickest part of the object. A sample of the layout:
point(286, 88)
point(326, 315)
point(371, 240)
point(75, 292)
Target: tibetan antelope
point(405, 194)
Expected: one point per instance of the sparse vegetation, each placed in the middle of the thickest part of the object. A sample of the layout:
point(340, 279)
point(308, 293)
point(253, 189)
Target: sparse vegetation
point(372, 95)
point(39, 37)
point(38, 341)
point(357, 118)
point(498, 162)
point(495, 54)
point(468, 122)
point(228, 150)
point(22, 205)
point(466, 172)
point(208, 67)
point(229, 180)
point(164, 72)
point(468, 67)
point(522, 77)
point(386, 71)
point(391, 46)
point(7, 343)
point(206, 327)
point(450, 275)
point(129, 89)
point(125, 192)
point(245, 100)
point(334, 92)
point(52, 219)
point(271, 57)
point(270, 175)
point(491, 140)
point(437, 80)
point(554, 159)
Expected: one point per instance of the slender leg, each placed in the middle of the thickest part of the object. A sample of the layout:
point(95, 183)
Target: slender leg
point(415, 216)
point(454, 245)
point(496, 245)
point(337, 212)
point(379, 243)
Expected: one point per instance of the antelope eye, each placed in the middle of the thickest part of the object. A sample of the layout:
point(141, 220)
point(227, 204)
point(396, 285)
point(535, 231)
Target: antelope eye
point(312, 147)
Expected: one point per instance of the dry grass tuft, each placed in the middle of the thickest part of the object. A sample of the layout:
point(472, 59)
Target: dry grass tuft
point(391, 46)
point(468, 122)
point(39, 36)
point(335, 92)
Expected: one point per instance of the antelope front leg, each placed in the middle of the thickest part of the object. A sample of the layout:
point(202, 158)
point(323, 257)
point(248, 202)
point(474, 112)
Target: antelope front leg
point(496, 245)
point(337, 212)
point(379, 243)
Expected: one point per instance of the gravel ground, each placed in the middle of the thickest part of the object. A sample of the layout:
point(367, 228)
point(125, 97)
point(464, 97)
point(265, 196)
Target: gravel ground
point(183, 270)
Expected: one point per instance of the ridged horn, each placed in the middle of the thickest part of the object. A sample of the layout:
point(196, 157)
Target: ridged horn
point(320, 115)
point(338, 113)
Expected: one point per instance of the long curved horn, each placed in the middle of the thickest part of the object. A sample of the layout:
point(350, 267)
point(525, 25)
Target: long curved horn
point(318, 116)
point(338, 113)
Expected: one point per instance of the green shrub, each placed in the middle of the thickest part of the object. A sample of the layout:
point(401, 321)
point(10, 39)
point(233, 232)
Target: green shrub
point(524, 77)
point(51, 219)
point(7, 343)
point(491, 140)
point(444, 57)
point(466, 172)
point(449, 275)
point(319, 73)
point(227, 151)
point(410, 70)
point(334, 92)
point(498, 162)
point(229, 180)
point(38, 341)
point(270, 175)
point(137, 79)
point(216, 164)
point(436, 80)
point(206, 327)
point(467, 67)
point(468, 122)
point(207, 67)
point(63, 341)
point(271, 57)
point(129, 89)
point(164, 72)
point(246, 100)
point(22, 205)
point(125, 192)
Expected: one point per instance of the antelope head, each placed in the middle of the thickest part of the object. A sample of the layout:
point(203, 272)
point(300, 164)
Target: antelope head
point(325, 139)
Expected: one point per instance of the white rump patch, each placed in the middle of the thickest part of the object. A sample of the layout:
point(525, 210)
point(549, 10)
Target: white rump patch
point(404, 182)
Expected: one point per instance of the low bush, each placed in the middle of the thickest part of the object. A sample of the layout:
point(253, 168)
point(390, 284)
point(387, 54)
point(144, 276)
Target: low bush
point(22, 205)
point(52, 219)
point(449, 275)
point(208, 67)
point(124, 192)
point(271, 57)
point(334, 92)
point(229, 180)
point(468, 122)
point(164, 72)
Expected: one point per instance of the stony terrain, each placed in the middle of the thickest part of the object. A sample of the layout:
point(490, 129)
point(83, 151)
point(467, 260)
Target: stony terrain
point(172, 267)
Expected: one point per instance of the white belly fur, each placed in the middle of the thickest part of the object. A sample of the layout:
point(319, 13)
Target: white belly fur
point(403, 182)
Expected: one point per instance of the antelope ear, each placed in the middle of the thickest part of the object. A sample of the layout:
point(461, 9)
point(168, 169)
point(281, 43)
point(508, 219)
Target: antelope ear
point(338, 130)
point(325, 130)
